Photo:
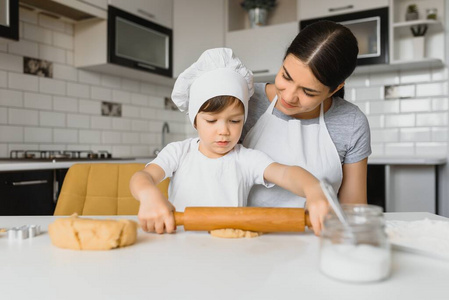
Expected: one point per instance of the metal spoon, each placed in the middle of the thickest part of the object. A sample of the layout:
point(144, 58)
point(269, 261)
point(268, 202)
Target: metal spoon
point(333, 201)
point(332, 198)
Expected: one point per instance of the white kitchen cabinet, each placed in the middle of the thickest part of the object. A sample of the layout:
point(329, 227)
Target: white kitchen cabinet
point(198, 25)
point(410, 189)
point(102, 4)
point(77, 10)
point(310, 9)
point(262, 49)
point(402, 43)
point(157, 11)
point(237, 18)
point(91, 53)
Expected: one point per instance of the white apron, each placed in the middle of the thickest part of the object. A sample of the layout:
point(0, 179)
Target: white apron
point(291, 143)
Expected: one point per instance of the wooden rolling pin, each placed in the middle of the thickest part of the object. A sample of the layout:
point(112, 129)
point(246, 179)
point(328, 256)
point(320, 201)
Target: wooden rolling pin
point(261, 219)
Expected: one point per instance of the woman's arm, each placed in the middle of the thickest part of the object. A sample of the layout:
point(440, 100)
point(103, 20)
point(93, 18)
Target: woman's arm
point(353, 186)
point(155, 212)
point(299, 181)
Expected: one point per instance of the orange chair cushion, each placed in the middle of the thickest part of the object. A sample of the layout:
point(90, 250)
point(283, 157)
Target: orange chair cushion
point(100, 189)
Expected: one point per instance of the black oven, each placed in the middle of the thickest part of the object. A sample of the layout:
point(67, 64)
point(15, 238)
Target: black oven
point(370, 27)
point(138, 43)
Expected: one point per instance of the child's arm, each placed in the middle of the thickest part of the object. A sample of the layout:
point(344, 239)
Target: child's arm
point(302, 183)
point(155, 212)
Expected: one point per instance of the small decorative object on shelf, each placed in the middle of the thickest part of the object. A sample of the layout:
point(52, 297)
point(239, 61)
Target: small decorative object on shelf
point(418, 32)
point(431, 13)
point(412, 13)
point(258, 11)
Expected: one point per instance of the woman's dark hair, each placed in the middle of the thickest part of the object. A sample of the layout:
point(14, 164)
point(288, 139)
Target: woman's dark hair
point(329, 49)
point(218, 104)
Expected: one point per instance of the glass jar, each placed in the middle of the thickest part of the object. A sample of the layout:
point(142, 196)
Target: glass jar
point(431, 13)
point(359, 252)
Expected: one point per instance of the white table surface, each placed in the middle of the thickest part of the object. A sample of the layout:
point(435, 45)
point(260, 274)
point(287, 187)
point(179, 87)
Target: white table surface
point(194, 265)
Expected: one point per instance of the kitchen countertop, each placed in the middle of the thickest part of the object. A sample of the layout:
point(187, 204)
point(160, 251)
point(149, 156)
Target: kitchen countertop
point(400, 160)
point(8, 165)
point(194, 265)
point(20, 165)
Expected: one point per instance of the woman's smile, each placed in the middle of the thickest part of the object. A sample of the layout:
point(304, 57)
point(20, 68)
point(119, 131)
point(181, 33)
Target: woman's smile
point(286, 104)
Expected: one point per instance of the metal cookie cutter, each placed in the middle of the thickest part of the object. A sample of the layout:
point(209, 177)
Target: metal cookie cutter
point(24, 232)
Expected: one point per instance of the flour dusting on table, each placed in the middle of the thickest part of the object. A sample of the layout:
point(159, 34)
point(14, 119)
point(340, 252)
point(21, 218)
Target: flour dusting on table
point(424, 236)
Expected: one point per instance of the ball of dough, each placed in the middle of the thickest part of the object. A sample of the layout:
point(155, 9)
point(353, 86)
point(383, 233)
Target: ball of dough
point(92, 234)
point(234, 233)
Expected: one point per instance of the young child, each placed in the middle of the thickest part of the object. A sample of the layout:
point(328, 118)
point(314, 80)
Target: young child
point(212, 170)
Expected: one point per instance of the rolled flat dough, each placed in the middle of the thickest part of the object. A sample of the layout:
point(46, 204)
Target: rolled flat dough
point(92, 234)
point(234, 233)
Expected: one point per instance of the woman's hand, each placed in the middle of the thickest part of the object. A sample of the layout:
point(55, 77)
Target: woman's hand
point(156, 215)
point(317, 206)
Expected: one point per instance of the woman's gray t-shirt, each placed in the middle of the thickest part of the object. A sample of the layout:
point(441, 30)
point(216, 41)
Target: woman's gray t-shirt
point(347, 125)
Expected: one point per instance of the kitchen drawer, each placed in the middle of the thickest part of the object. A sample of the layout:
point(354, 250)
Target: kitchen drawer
point(27, 193)
point(310, 9)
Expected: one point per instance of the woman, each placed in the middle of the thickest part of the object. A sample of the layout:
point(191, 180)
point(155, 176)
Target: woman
point(302, 119)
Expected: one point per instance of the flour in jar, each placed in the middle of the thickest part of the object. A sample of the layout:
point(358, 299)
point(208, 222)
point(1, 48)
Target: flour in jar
point(355, 263)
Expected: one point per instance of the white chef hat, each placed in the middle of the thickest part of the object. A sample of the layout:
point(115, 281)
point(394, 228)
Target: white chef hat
point(216, 73)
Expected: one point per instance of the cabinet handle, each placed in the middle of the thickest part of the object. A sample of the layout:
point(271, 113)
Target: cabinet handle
point(260, 71)
point(332, 9)
point(145, 13)
point(30, 182)
point(146, 66)
point(91, 4)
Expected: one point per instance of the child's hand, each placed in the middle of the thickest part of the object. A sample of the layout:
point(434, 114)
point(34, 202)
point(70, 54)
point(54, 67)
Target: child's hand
point(156, 215)
point(318, 206)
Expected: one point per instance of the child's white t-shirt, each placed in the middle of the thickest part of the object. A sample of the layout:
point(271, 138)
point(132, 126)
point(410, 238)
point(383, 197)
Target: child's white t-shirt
point(197, 180)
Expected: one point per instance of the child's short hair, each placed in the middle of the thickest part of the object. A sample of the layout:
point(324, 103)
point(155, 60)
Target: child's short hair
point(218, 104)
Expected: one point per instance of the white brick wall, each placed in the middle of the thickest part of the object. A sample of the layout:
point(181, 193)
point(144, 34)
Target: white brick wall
point(3, 79)
point(65, 136)
point(64, 112)
point(37, 135)
point(111, 137)
point(9, 98)
point(23, 117)
point(23, 82)
point(416, 126)
point(37, 101)
point(52, 119)
point(67, 104)
point(3, 115)
point(78, 121)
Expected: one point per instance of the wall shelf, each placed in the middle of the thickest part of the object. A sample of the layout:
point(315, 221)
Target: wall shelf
point(401, 65)
point(417, 22)
point(404, 48)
